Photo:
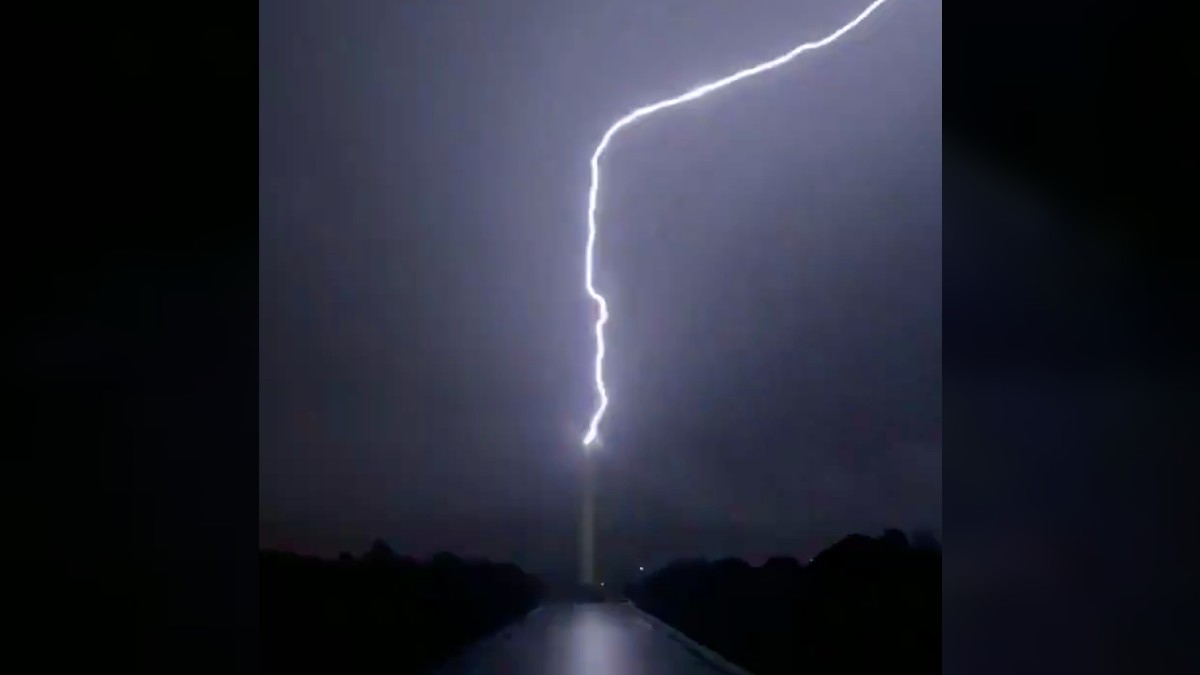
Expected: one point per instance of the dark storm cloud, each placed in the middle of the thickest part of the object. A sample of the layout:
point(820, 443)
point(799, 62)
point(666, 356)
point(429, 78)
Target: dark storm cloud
point(771, 255)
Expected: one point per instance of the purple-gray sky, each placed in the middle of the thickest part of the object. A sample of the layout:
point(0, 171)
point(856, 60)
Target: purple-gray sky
point(771, 255)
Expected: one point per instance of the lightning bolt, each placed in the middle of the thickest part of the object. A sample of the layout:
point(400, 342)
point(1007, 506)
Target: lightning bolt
point(593, 431)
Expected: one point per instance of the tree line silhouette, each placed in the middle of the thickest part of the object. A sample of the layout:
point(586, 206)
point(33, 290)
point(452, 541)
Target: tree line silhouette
point(382, 610)
point(861, 604)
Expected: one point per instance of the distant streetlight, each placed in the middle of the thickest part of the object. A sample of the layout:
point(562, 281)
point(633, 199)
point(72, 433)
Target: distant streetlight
point(641, 569)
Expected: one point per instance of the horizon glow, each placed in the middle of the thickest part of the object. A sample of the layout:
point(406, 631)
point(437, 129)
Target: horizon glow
point(591, 437)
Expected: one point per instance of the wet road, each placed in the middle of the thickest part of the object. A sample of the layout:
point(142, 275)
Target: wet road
point(585, 639)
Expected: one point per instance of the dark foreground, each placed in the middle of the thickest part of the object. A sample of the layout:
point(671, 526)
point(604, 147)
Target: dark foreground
point(396, 615)
point(864, 604)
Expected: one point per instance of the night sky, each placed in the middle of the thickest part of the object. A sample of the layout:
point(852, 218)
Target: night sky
point(771, 255)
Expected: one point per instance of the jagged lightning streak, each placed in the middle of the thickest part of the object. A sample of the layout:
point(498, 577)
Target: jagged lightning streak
point(593, 430)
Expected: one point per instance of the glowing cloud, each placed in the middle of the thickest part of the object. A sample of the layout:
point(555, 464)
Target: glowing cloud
point(592, 436)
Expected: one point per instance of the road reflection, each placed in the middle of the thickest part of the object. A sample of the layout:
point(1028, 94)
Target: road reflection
point(583, 639)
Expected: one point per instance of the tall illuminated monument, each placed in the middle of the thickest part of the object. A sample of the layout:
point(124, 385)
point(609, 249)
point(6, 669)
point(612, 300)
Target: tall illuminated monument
point(587, 516)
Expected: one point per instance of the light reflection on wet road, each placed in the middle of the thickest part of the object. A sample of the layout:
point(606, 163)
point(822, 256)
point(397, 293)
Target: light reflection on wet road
point(585, 639)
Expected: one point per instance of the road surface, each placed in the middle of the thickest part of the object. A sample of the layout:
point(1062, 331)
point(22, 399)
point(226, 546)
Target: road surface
point(587, 639)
